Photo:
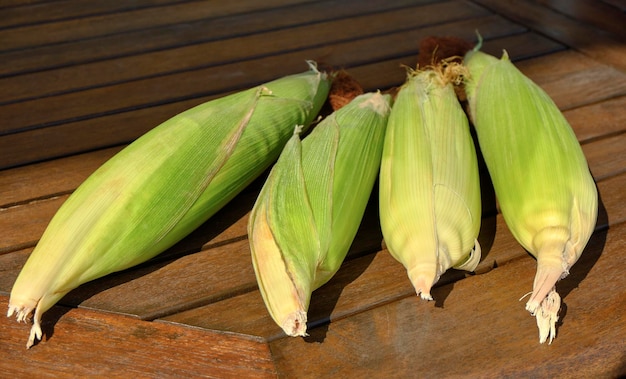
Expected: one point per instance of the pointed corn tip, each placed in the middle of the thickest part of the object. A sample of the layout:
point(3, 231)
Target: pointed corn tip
point(422, 282)
point(295, 324)
point(426, 295)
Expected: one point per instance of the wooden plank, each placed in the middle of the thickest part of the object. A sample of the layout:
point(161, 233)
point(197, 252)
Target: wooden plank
point(554, 66)
point(7, 4)
point(85, 135)
point(23, 225)
point(522, 46)
point(619, 4)
point(207, 81)
point(188, 281)
point(591, 41)
point(596, 120)
point(573, 80)
point(117, 23)
point(595, 13)
point(598, 83)
point(10, 267)
point(83, 343)
point(188, 33)
point(613, 200)
point(192, 280)
point(162, 62)
point(608, 156)
point(110, 128)
point(482, 326)
point(49, 179)
point(35, 13)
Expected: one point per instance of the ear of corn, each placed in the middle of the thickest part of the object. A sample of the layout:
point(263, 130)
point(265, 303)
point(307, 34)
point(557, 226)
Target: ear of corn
point(540, 175)
point(308, 211)
point(430, 210)
point(161, 187)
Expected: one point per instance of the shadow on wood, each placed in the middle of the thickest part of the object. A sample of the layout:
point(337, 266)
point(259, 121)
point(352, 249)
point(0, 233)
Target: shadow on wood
point(586, 262)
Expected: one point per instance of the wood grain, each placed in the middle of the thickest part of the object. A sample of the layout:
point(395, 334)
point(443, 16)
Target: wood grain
point(597, 44)
point(573, 80)
point(92, 344)
point(174, 35)
point(595, 13)
point(599, 119)
point(103, 24)
point(225, 50)
point(49, 179)
point(608, 156)
point(34, 13)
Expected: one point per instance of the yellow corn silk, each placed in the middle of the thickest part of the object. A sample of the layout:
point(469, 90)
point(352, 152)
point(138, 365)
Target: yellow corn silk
point(546, 193)
point(162, 186)
point(430, 206)
point(309, 209)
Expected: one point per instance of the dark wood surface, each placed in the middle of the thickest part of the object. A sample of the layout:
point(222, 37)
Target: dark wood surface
point(81, 79)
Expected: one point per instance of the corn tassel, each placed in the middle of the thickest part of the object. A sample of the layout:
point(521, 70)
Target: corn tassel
point(161, 187)
point(430, 210)
point(545, 191)
point(308, 211)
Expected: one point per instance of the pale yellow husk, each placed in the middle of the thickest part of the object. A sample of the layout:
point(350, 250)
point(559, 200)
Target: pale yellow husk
point(542, 182)
point(430, 209)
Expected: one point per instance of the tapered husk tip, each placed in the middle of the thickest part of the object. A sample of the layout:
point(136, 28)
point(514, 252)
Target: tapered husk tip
point(294, 324)
point(283, 297)
point(422, 282)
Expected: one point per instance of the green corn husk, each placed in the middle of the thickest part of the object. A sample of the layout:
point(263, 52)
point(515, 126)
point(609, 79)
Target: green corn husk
point(308, 212)
point(430, 206)
point(162, 186)
point(546, 193)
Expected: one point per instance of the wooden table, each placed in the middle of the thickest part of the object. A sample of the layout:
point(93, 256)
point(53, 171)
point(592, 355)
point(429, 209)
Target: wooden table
point(80, 79)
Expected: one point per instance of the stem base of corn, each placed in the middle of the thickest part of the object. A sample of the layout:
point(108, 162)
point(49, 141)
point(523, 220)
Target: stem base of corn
point(546, 314)
point(545, 302)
